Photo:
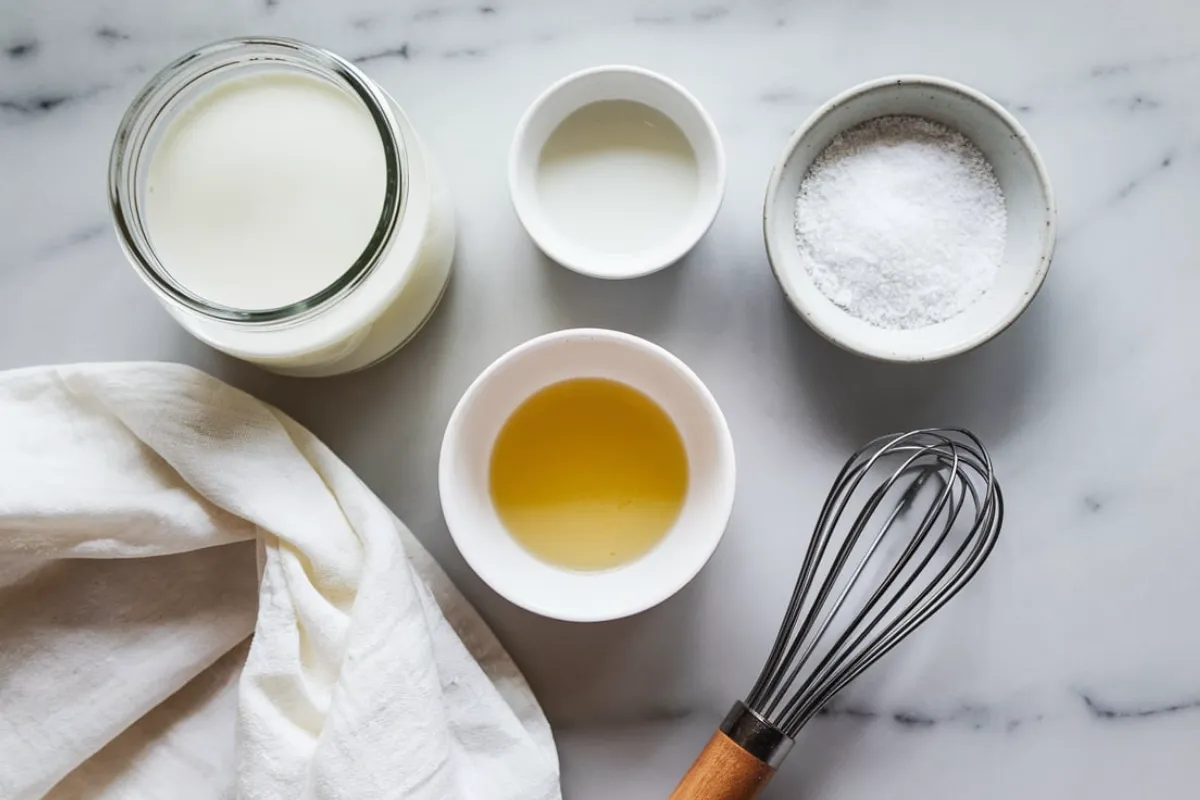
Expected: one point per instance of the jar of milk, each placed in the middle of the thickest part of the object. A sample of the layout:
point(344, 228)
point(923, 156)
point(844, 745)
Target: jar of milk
point(281, 206)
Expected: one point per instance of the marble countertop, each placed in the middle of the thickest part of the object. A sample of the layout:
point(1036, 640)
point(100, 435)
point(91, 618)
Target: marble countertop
point(1071, 668)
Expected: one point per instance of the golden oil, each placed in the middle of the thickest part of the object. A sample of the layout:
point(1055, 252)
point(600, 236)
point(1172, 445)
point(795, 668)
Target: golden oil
point(588, 473)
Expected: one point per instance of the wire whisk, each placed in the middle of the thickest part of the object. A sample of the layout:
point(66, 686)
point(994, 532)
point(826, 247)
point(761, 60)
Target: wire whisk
point(909, 521)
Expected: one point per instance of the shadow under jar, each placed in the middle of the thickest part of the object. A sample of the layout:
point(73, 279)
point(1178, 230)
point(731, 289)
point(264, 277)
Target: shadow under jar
point(281, 207)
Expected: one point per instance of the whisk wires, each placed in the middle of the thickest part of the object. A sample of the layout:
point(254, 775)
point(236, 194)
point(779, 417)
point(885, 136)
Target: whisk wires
point(868, 581)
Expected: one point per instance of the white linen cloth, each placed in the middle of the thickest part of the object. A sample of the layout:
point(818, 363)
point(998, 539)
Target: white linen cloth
point(151, 519)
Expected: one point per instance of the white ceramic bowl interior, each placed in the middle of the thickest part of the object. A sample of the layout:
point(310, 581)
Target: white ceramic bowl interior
point(555, 591)
point(615, 83)
point(1027, 195)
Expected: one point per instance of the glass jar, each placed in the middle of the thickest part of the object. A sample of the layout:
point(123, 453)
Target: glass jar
point(377, 303)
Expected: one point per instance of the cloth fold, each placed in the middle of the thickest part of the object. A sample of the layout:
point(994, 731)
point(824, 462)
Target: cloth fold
point(151, 519)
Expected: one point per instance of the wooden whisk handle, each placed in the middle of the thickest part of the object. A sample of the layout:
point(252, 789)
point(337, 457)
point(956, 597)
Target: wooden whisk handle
point(724, 771)
point(738, 761)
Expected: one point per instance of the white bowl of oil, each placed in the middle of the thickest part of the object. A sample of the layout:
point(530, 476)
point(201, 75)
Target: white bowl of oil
point(616, 172)
point(587, 475)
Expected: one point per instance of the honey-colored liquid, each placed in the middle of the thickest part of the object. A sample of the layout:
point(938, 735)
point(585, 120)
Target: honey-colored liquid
point(588, 474)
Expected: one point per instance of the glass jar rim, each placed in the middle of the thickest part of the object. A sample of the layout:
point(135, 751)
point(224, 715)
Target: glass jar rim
point(156, 97)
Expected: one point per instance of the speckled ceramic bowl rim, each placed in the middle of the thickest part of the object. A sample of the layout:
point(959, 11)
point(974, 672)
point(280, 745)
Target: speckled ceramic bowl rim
point(774, 240)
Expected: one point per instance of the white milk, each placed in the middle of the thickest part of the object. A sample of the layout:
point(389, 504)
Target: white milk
point(254, 174)
point(265, 190)
point(618, 177)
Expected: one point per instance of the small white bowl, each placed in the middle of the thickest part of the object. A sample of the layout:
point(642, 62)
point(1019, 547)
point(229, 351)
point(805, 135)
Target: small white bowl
point(510, 569)
point(1018, 168)
point(615, 83)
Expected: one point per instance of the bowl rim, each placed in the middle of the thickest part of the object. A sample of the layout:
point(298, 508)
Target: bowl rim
point(637, 264)
point(799, 302)
point(727, 466)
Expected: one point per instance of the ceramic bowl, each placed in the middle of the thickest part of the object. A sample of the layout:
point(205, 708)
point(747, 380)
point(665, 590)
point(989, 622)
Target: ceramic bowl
point(615, 83)
point(514, 572)
point(1018, 168)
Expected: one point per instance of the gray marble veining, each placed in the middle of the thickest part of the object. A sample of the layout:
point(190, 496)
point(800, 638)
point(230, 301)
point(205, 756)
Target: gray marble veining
point(1070, 669)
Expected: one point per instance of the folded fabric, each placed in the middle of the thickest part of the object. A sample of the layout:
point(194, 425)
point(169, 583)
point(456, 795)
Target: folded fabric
point(198, 600)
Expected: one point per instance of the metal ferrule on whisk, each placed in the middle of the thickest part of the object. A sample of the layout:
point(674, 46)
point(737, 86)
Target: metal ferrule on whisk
point(751, 732)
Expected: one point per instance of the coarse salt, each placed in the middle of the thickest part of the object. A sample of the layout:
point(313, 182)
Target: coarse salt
point(901, 222)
